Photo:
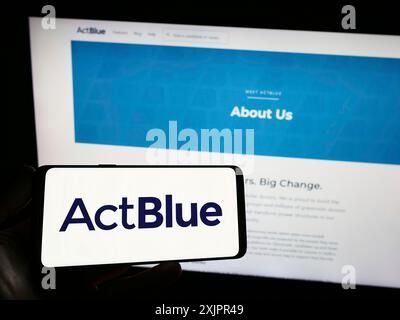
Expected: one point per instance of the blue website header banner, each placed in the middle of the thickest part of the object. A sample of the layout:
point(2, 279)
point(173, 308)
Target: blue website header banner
point(300, 105)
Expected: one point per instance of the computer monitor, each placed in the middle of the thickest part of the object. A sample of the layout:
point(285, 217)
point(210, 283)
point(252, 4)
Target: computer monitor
point(311, 117)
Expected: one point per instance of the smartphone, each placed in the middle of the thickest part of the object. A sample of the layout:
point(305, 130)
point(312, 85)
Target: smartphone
point(106, 214)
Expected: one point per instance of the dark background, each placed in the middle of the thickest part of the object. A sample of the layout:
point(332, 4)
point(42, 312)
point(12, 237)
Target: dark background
point(19, 144)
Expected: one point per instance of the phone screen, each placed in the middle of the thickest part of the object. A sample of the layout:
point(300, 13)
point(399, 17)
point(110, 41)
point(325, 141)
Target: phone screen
point(111, 215)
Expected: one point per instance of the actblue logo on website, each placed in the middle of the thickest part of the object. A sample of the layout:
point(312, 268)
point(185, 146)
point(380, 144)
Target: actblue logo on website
point(90, 30)
point(152, 207)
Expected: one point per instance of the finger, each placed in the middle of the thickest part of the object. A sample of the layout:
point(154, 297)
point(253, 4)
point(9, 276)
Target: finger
point(106, 275)
point(158, 277)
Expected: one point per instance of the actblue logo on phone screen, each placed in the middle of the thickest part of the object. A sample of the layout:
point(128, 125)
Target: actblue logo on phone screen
point(126, 215)
point(148, 207)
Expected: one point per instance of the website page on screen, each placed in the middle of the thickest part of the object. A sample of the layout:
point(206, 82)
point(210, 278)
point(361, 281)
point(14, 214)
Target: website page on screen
point(317, 114)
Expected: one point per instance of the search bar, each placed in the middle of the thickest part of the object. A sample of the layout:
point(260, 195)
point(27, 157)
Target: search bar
point(195, 36)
